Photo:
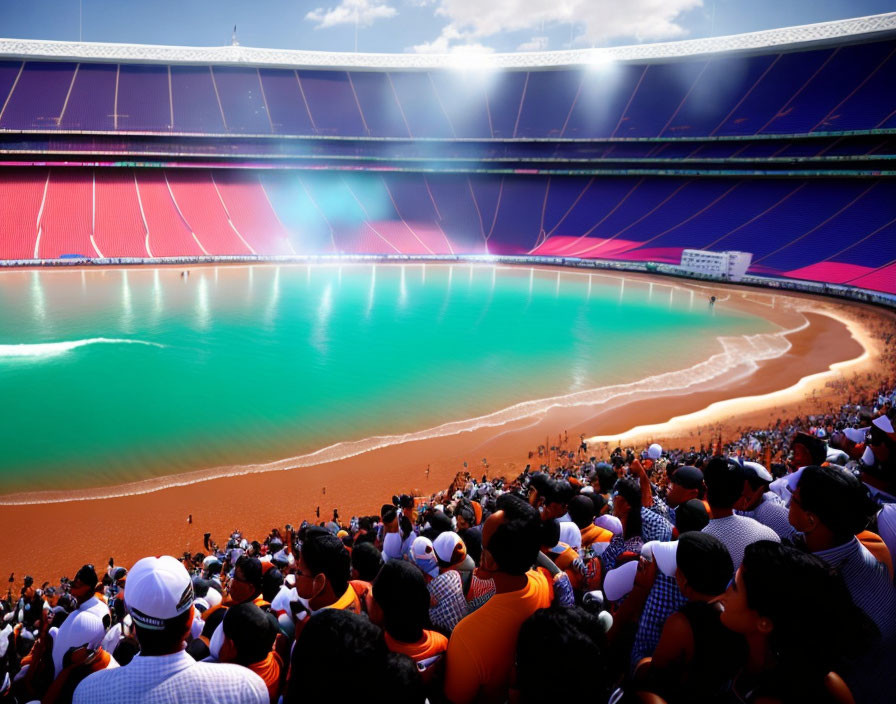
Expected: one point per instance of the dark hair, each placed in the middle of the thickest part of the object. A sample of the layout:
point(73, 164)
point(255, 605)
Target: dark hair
point(724, 482)
point(630, 489)
point(570, 635)
point(271, 581)
point(367, 560)
point(581, 510)
point(814, 623)
point(403, 680)
point(705, 562)
point(691, 516)
point(606, 477)
point(212, 621)
point(252, 631)
point(839, 500)
point(515, 543)
point(472, 538)
point(560, 491)
point(324, 553)
point(401, 592)
point(251, 569)
point(337, 646)
point(166, 640)
point(550, 533)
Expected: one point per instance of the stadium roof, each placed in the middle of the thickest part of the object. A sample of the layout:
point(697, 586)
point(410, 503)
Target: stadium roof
point(810, 36)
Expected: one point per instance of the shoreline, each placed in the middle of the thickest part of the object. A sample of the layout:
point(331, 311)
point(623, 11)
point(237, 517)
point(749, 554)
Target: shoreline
point(739, 355)
point(134, 525)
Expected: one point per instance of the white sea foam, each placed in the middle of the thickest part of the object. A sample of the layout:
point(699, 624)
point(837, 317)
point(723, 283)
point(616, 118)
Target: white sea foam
point(740, 356)
point(54, 349)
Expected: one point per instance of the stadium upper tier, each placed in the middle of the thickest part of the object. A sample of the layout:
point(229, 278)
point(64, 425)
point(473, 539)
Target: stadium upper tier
point(823, 229)
point(709, 88)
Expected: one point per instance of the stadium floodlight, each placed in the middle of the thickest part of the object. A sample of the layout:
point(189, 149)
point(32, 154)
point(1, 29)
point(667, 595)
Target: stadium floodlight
point(600, 60)
point(470, 59)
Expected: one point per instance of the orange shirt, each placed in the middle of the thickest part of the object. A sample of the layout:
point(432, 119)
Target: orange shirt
point(431, 644)
point(271, 671)
point(482, 648)
point(876, 546)
point(595, 534)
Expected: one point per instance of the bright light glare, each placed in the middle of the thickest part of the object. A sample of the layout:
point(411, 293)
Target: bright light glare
point(470, 59)
point(600, 60)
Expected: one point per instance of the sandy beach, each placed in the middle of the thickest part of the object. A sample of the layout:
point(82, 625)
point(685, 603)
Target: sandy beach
point(837, 349)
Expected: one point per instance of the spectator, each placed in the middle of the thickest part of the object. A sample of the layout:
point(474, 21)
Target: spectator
point(724, 487)
point(570, 635)
point(759, 503)
point(249, 635)
point(830, 506)
point(696, 657)
point(366, 561)
point(402, 609)
point(322, 573)
point(799, 621)
point(479, 663)
point(159, 598)
point(341, 656)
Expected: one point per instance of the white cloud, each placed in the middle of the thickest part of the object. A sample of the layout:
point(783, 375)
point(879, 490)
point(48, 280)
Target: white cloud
point(534, 44)
point(595, 20)
point(452, 41)
point(364, 12)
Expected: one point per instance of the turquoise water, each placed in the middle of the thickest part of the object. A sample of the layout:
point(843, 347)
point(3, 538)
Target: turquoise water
point(114, 376)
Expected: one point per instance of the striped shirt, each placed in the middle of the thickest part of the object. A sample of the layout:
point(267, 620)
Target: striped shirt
point(736, 532)
point(178, 678)
point(772, 512)
point(868, 583)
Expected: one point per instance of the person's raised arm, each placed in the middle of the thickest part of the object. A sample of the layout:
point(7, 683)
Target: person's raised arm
point(646, 494)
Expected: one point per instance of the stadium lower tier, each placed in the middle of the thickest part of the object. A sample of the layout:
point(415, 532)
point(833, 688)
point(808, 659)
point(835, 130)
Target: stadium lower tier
point(820, 229)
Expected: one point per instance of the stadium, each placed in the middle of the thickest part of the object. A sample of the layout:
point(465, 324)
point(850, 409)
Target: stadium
point(248, 287)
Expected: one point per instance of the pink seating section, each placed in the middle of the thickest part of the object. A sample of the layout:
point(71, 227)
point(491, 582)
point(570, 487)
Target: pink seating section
point(123, 213)
point(837, 231)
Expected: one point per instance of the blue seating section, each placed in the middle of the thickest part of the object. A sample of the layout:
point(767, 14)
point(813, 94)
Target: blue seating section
point(848, 87)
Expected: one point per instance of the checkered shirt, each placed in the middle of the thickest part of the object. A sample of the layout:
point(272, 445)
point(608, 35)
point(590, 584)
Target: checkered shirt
point(663, 600)
point(447, 603)
point(172, 678)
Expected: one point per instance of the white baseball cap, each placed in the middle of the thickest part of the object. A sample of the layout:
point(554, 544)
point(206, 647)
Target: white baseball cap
point(857, 435)
point(655, 451)
point(620, 581)
point(665, 556)
point(883, 423)
point(760, 471)
point(159, 589)
point(85, 629)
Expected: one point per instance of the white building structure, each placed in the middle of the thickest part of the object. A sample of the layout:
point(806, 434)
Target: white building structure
point(726, 265)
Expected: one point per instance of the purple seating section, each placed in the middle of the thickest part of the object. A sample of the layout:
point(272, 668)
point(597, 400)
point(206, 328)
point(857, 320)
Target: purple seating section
point(828, 228)
point(848, 87)
point(838, 230)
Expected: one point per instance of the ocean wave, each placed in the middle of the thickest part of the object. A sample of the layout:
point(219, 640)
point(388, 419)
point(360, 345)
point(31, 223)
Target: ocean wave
point(740, 356)
point(54, 349)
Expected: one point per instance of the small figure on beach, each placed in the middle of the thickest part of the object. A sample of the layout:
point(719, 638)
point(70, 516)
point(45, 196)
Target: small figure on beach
point(317, 511)
point(190, 519)
point(427, 471)
point(712, 301)
point(325, 490)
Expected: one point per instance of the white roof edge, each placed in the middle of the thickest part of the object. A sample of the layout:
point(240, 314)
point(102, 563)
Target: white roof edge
point(804, 36)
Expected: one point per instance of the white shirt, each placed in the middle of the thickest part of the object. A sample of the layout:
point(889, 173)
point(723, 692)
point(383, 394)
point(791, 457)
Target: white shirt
point(178, 678)
point(736, 532)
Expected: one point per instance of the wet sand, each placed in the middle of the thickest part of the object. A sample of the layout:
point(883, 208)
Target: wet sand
point(51, 540)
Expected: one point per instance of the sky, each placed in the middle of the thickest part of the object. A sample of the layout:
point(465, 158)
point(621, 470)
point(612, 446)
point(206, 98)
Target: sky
point(413, 25)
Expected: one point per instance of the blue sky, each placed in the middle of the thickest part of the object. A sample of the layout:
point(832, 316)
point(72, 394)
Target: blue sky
point(413, 25)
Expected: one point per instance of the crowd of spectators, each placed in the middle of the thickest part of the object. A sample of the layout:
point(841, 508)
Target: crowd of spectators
point(758, 571)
